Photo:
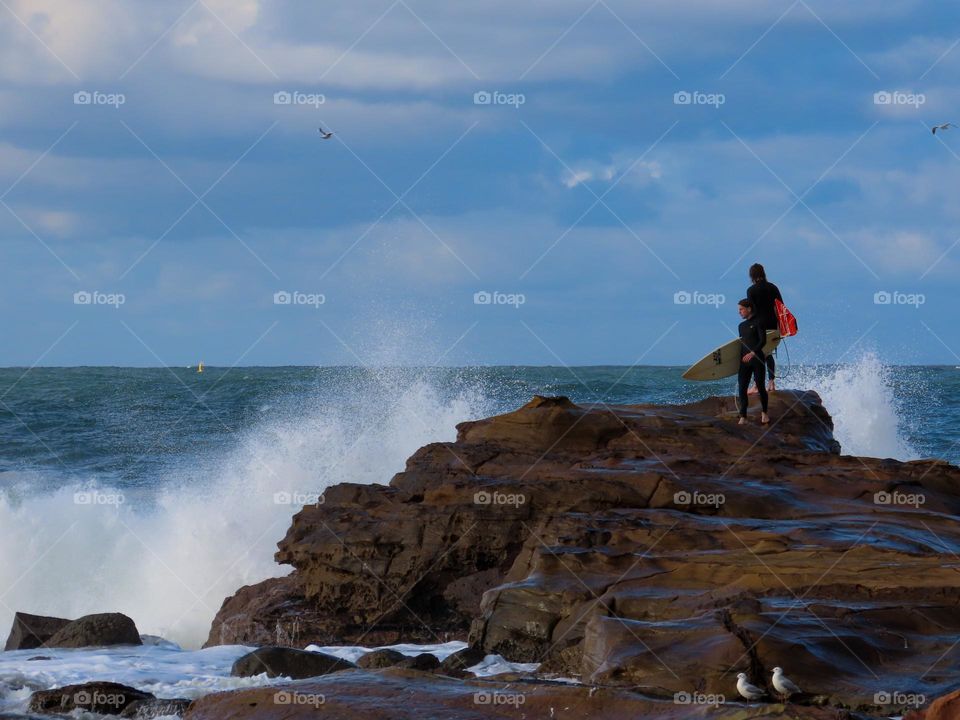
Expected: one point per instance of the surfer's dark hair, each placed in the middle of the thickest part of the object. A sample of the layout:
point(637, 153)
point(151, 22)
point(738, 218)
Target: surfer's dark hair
point(757, 273)
point(746, 303)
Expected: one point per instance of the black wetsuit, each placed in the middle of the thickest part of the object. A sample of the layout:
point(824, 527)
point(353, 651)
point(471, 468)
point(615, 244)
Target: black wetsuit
point(752, 339)
point(762, 294)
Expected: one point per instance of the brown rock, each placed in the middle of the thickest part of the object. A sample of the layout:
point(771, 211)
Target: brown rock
point(943, 708)
point(380, 659)
point(659, 547)
point(101, 630)
point(104, 698)
point(394, 694)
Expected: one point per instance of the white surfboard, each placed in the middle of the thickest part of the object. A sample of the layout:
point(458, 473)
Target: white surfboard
point(725, 360)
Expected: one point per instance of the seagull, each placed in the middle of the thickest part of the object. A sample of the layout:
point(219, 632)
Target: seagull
point(746, 690)
point(324, 134)
point(784, 685)
point(945, 126)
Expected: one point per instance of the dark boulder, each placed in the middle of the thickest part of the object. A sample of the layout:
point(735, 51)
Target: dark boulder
point(103, 698)
point(458, 663)
point(32, 631)
point(287, 662)
point(101, 630)
point(381, 659)
point(425, 662)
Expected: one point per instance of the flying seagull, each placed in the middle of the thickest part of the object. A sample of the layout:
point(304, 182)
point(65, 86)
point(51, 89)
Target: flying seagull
point(784, 685)
point(324, 134)
point(746, 690)
point(945, 126)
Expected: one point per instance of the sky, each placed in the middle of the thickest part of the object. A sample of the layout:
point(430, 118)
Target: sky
point(569, 182)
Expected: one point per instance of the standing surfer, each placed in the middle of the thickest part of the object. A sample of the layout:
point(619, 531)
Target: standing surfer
point(763, 294)
point(752, 339)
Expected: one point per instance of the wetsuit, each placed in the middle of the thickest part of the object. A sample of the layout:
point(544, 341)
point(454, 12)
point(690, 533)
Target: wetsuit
point(762, 294)
point(752, 339)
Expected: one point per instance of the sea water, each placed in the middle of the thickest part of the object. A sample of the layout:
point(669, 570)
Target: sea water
point(159, 492)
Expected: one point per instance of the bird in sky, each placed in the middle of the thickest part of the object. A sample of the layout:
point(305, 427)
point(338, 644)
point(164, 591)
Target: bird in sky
point(944, 126)
point(324, 134)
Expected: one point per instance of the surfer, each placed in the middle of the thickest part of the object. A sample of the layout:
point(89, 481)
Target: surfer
point(752, 339)
point(762, 295)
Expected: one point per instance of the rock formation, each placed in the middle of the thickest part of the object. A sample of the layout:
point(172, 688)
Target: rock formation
point(664, 548)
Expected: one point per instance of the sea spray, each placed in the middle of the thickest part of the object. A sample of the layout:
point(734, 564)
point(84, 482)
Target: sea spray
point(861, 400)
point(168, 554)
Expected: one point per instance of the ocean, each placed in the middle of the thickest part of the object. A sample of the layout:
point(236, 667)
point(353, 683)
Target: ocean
point(159, 492)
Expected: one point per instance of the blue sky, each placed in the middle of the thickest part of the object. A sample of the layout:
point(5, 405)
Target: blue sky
point(632, 154)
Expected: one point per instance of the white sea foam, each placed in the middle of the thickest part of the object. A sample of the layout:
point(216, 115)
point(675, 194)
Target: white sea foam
point(165, 670)
point(169, 557)
point(859, 395)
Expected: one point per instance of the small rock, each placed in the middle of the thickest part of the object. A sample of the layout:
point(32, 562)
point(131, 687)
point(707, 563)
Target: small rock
point(424, 661)
point(104, 698)
point(458, 663)
point(288, 662)
point(381, 659)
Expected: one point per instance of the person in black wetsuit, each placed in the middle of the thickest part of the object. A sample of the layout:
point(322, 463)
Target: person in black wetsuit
point(752, 339)
point(762, 294)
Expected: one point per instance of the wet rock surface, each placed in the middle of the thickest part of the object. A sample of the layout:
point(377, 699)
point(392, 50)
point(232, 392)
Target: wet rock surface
point(287, 662)
point(661, 548)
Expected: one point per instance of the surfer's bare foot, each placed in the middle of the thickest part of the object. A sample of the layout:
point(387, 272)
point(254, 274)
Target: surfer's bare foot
point(743, 421)
point(771, 386)
point(764, 419)
point(753, 390)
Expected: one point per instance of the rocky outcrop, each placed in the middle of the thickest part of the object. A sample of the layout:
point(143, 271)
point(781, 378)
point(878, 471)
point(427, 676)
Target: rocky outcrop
point(661, 547)
point(287, 662)
point(408, 695)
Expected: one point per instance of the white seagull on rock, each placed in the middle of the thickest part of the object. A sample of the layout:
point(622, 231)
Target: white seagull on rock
point(747, 690)
point(784, 685)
